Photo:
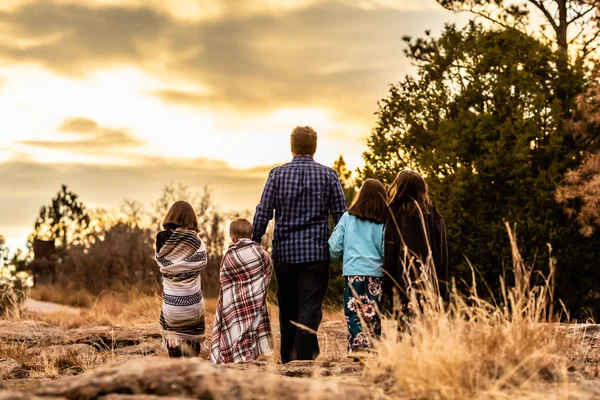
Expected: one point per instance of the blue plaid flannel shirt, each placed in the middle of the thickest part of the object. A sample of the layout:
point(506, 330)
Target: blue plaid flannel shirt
point(303, 193)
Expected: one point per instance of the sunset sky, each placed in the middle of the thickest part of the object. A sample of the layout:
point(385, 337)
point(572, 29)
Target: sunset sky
point(117, 98)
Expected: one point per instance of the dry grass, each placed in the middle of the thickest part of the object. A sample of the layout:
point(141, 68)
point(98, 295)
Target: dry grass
point(109, 309)
point(113, 309)
point(470, 348)
point(52, 361)
point(12, 305)
point(129, 309)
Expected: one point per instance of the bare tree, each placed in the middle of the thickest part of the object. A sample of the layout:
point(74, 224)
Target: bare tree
point(570, 24)
point(201, 201)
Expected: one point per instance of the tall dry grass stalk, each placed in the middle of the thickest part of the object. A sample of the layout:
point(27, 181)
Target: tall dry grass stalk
point(468, 347)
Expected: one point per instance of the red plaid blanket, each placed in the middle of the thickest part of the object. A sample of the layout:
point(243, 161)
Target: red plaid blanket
point(242, 329)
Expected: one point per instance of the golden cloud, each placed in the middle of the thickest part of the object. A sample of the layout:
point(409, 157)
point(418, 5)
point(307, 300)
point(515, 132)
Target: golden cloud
point(29, 185)
point(93, 137)
point(329, 54)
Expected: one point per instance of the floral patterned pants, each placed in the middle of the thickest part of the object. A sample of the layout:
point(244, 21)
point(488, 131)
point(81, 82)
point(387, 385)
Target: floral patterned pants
point(362, 300)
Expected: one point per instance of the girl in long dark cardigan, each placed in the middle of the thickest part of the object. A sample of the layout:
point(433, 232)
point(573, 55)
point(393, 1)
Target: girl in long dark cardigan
point(414, 227)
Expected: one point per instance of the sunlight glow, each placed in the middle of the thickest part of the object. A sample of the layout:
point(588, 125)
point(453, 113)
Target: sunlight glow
point(118, 113)
point(118, 99)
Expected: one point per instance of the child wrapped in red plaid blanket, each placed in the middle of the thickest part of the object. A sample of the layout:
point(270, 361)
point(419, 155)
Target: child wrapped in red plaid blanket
point(242, 328)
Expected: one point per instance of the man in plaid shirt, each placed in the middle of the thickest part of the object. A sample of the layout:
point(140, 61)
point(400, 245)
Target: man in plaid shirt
point(303, 194)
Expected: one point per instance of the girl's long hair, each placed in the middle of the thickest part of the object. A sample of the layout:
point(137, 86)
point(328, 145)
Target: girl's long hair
point(181, 215)
point(409, 192)
point(370, 202)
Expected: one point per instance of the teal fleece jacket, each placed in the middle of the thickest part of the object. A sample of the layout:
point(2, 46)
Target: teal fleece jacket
point(359, 243)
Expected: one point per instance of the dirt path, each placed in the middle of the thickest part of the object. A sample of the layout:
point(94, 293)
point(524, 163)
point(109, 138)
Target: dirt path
point(44, 307)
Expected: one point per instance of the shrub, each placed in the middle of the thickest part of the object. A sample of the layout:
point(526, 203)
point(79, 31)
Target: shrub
point(13, 289)
point(471, 348)
point(121, 258)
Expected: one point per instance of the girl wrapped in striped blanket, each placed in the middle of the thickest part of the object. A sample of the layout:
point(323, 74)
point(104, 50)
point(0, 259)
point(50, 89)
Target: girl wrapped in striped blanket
point(181, 255)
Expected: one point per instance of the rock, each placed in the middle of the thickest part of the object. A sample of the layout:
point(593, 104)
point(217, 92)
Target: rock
point(23, 385)
point(141, 397)
point(304, 369)
point(9, 395)
point(11, 369)
point(39, 334)
point(195, 378)
point(588, 331)
point(589, 335)
point(58, 350)
point(143, 349)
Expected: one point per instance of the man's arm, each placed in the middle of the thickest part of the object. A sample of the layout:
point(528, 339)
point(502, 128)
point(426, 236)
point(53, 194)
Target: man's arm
point(338, 205)
point(264, 210)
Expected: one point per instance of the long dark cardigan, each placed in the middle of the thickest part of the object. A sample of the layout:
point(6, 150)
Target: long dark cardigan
point(408, 229)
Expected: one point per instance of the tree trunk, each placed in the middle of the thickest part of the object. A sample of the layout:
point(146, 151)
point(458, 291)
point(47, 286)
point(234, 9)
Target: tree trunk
point(561, 34)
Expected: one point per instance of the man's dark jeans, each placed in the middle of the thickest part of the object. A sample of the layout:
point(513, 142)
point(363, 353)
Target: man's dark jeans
point(301, 289)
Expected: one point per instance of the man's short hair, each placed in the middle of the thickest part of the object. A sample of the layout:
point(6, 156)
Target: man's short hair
point(303, 141)
point(241, 228)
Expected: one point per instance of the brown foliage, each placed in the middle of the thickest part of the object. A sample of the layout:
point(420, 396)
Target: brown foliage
point(580, 194)
point(123, 258)
point(580, 191)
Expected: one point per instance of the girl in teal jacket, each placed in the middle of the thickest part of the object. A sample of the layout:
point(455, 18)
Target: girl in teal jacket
point(358, 241)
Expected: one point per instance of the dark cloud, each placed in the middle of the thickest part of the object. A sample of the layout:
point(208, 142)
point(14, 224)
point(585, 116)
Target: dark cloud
point(326, 55)
point(28, 185)
point(73, 36)
point(92, 137)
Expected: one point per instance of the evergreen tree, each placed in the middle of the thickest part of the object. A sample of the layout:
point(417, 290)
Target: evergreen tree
point(484, 121)
point(65, 220)
point(346, 179)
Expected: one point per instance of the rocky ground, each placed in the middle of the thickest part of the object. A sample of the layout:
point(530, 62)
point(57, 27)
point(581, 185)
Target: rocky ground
point(39, 360)
point(112, 362)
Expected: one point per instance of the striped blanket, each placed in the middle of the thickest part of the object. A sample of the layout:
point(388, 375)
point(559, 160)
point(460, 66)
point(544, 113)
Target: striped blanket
point(242, 329)
point(181, 258)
